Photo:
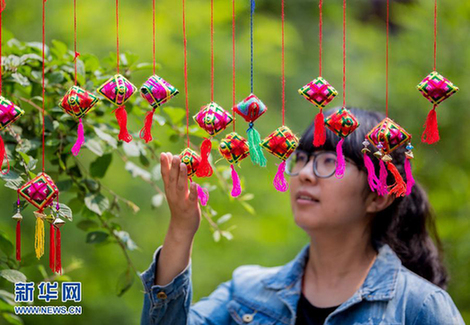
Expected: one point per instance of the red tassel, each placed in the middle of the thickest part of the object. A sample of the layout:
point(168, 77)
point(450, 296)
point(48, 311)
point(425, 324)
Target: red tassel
point(18, 240)
point(205, 169)
point(146, 132)
point(52, 247)
point(431, 131)
point(319, 136)
point(58, 262)
point(121, 117)
point(399, 188)
point(3, 156)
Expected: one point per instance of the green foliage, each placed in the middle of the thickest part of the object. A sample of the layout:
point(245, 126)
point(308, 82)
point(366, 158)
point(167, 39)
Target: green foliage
point(96, 206)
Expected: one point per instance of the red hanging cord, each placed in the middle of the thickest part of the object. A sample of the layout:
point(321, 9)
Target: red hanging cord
point(75, 37)
point(320, 35)
point(435, 33)
point(283, 64)
point(117, 35)
point(154, 40)
point(212, 50)
point(233, 64)
point(186, 71)
point(386, 60)
point(43, 77)
point(344, 53)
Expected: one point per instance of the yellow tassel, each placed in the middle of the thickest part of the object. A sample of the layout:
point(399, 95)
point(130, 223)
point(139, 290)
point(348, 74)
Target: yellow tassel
point(39, 238)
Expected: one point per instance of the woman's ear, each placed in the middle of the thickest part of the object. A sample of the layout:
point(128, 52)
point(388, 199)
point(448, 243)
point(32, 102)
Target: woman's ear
point(376, 203)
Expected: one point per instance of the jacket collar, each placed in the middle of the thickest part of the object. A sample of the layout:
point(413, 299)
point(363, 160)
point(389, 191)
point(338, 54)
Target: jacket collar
point(380, 283)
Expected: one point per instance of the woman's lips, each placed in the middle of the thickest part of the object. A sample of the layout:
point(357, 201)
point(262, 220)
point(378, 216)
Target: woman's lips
point(306, 198)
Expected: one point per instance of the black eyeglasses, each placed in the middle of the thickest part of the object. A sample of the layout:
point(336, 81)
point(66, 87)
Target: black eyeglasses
point(324, 163)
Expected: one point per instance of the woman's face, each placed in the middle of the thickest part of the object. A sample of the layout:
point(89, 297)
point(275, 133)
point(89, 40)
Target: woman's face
point(329, 203)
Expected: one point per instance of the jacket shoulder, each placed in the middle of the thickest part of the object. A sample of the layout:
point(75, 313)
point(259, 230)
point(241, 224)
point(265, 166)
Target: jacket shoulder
point(425, 302)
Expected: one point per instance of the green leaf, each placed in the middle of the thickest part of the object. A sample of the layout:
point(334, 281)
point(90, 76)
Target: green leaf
point(126, 239)
point(58, 49)
point(175, 114)
point(157, 200)
point(12, 319)
point(65, 211)
point(96, 237)
point(216, 235)
point(224, 218)
point(106, 137)
point(248, 207)
point(131, 149)
point(136, 171)
point(125, 281)
point(87, 225)
point(20, 79)
point(96, 203)
point(6, 245)
point(94, 147)
point(13, 275)
point(99, 167)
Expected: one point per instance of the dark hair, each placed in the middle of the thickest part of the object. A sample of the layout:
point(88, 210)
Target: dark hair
point(408, 224)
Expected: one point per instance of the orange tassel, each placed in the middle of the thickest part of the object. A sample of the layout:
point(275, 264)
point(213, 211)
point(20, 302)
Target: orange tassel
point(399, 188)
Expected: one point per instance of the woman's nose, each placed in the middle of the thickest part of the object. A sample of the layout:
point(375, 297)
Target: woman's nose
point(306, 174)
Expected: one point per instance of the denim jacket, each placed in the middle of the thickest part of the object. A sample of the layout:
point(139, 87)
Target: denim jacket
point(390, 294)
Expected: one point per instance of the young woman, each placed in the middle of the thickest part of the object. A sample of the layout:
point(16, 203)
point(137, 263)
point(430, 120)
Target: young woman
point(370, 260)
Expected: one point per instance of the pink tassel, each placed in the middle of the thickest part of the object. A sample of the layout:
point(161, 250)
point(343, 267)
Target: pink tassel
point(236, 188)
point(121, 117)
point(371, 177)
point(80, 139)
point(146, 132)
point(319, 136)
point(340, 162)
point(202, 194)
point(279, 180)
point(409, 177)
point(382, 185)
point(204, 168)
point(431, 131)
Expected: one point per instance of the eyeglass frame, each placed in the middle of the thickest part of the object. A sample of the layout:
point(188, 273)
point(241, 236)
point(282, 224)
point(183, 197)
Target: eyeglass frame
point(315, 154)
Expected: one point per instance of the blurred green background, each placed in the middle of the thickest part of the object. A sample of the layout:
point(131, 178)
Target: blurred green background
point(269, 236)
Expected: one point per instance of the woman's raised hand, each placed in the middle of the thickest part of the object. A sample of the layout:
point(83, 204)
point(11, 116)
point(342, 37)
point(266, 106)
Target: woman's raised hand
point(184, 207)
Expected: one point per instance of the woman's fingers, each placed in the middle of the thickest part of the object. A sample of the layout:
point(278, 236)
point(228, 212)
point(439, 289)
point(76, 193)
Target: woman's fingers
point(182, 185)
point(174, 171)
point(192, 192)
point(165, 166)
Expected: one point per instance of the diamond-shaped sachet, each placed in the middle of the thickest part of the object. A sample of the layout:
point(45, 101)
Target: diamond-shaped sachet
point(213, 119)
point(387, 136)
point(40, 191)
point(342, 123)
point(281, 143)
point(251, 108)
point(318, 92)
point(9, 113)
point(77, 102)
point(156, 91)
point(118, 90)
point(234, 148)
point(436, 89)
